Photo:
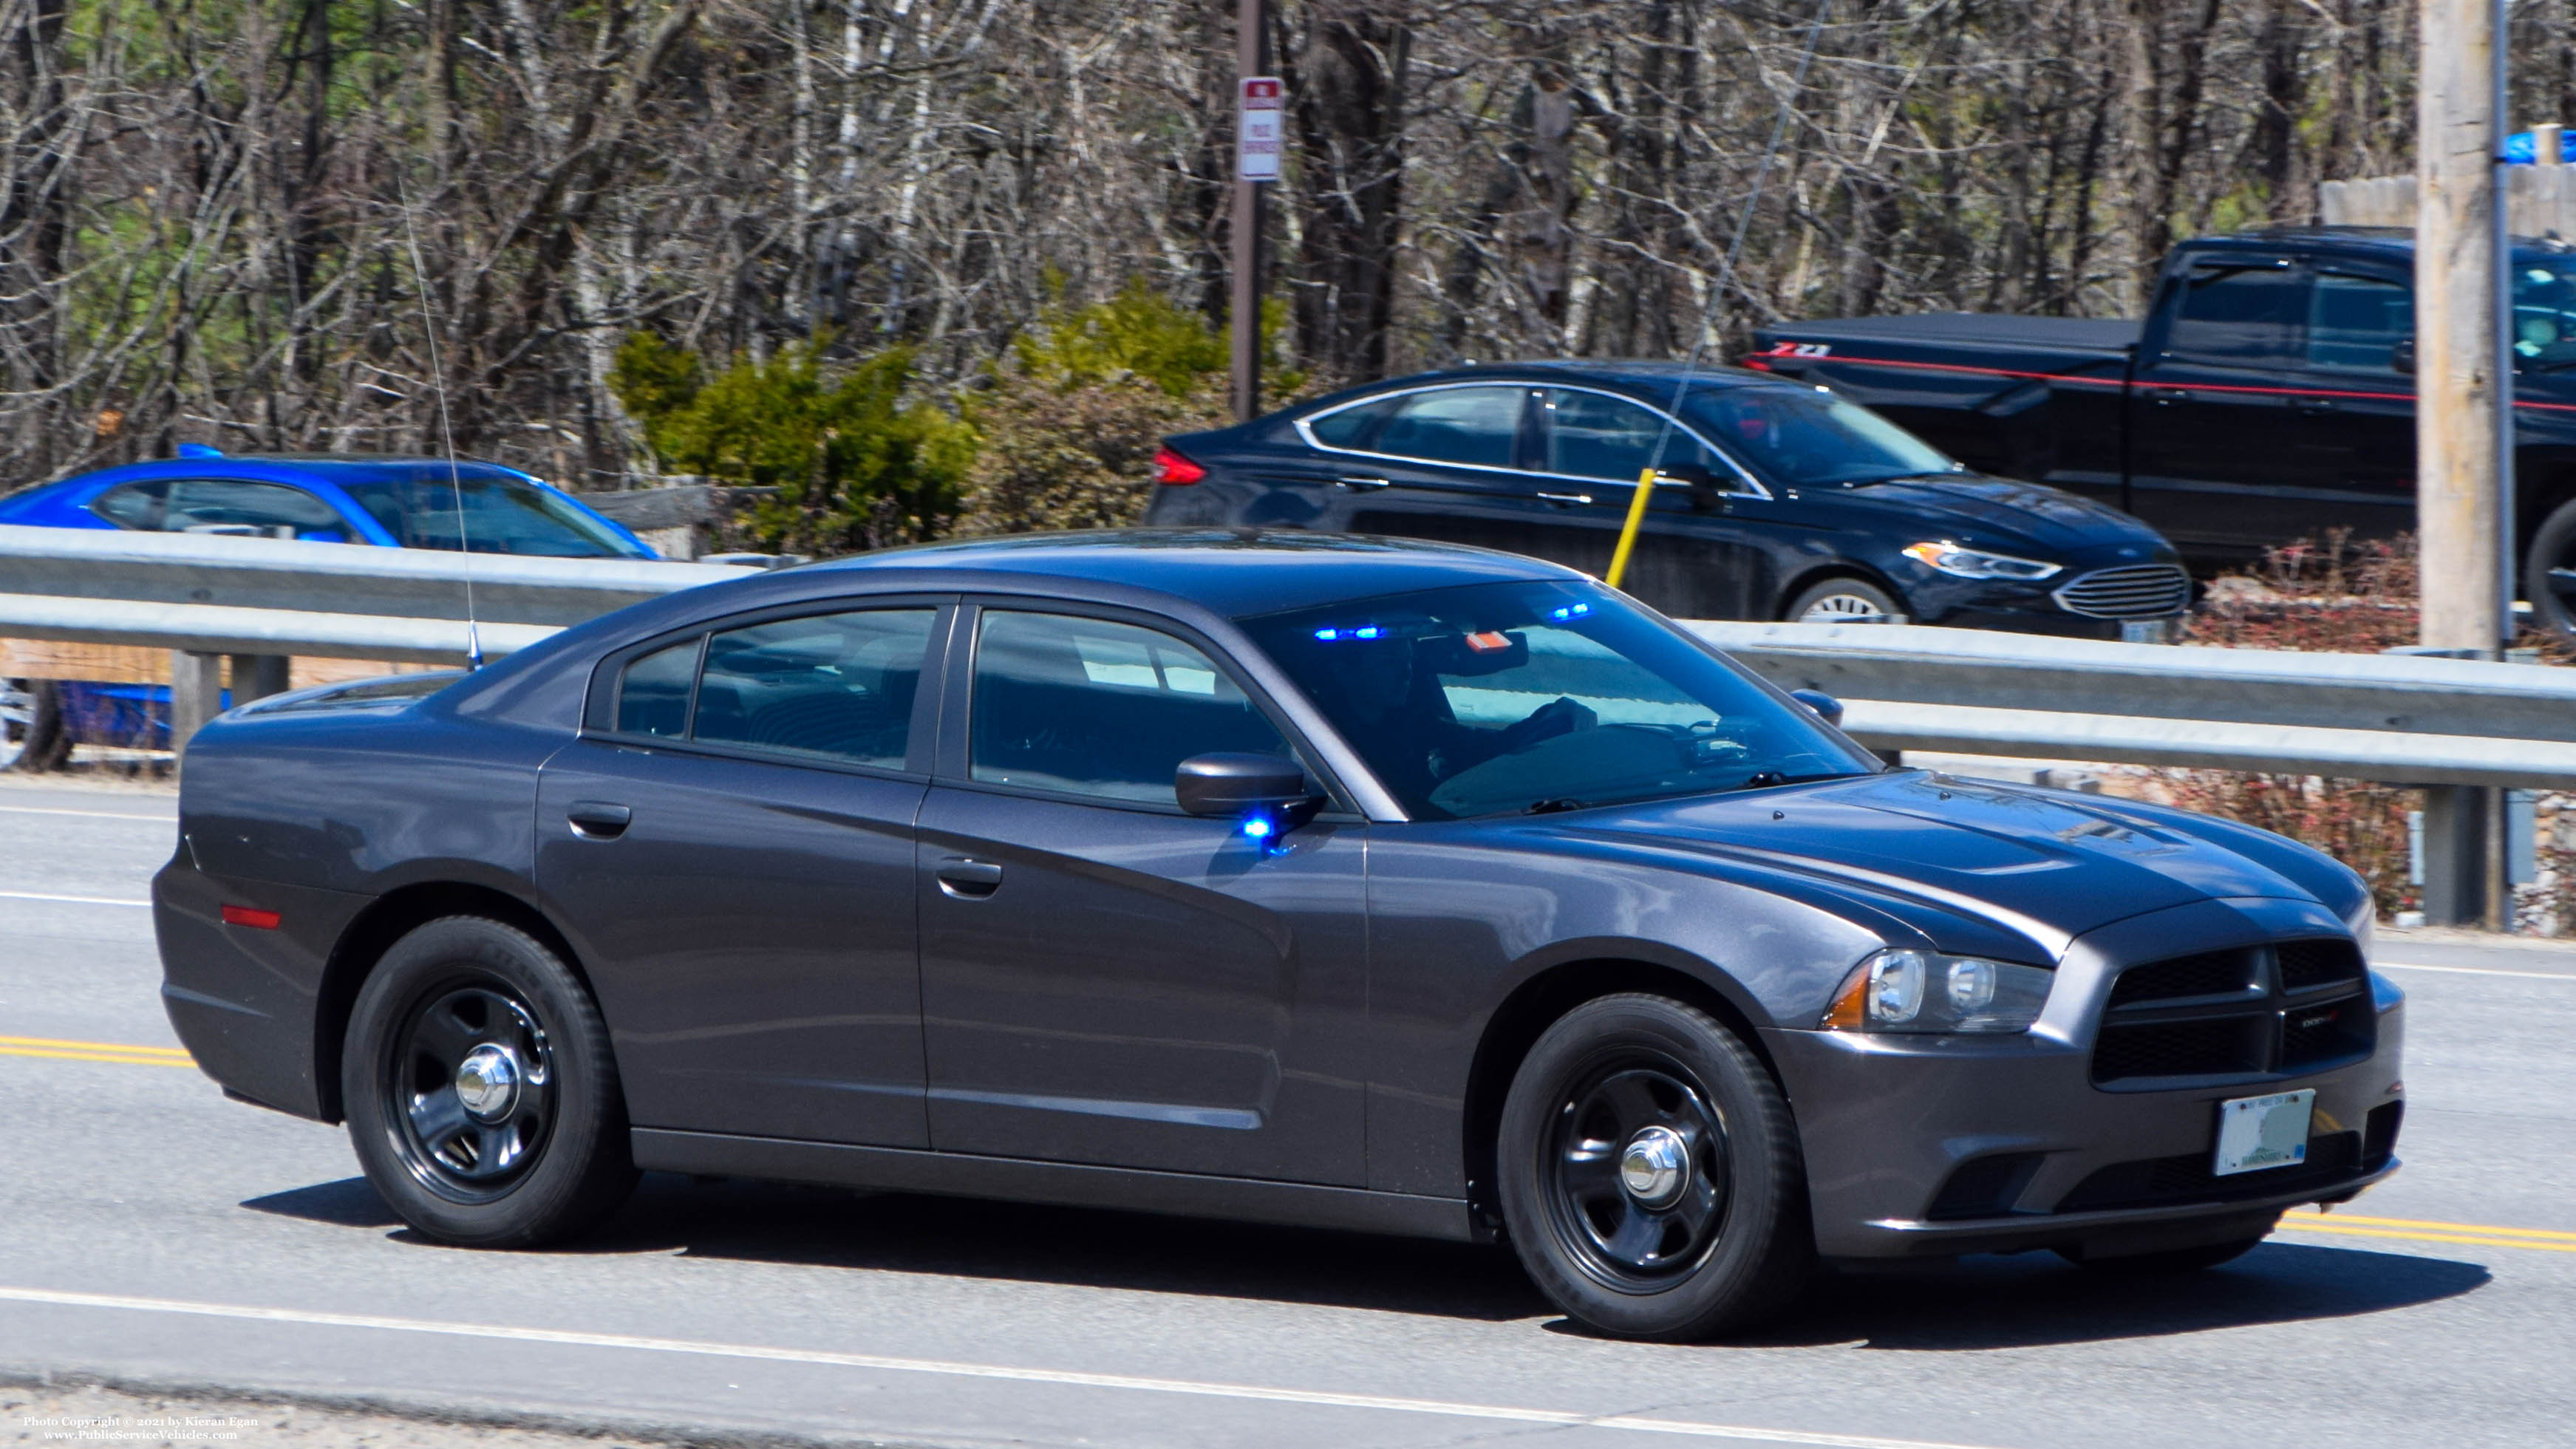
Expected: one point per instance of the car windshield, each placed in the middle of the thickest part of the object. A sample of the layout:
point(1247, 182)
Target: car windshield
point(1501, 698)
point(501, 515)
point(1801, 435)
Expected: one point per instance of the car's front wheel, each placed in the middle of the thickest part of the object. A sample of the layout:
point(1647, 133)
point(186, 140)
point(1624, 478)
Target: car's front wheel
point(1843, 601)
point(1649, 1173)
point(481, 1094)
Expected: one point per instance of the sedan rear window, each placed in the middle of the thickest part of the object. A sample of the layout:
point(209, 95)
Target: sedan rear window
point(1499, 698)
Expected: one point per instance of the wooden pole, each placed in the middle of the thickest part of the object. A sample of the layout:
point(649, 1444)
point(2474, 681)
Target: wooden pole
point(1251, 57)
point(2464, 394)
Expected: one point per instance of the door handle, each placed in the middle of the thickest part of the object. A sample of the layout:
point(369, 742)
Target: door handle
point(1566, 497)
point(968, 880)
point(2314, 406)
point(598, 819)
point(2168, 396)
point(1361, 485)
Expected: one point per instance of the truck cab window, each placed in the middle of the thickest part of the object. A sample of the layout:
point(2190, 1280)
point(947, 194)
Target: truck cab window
point(2355, 323)
point(2544, 314)
point(2238, 316)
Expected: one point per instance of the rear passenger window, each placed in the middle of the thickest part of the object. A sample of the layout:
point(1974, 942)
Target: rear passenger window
point(2239, 316)
point(830, 686)
point(1474, 425)
point(1095, 708)
point(1354, 427)
point(653, 697)
point(241, 506)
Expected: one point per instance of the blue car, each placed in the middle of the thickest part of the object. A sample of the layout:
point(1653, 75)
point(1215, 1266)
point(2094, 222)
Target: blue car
point(387, 502)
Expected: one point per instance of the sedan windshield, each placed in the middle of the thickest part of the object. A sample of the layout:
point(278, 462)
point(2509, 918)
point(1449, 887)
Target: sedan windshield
point(1800, 435)
point(1501, 698)
point(499, 515)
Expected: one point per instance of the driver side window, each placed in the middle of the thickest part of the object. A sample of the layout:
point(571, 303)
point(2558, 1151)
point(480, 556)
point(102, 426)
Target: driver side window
point(1103, 709)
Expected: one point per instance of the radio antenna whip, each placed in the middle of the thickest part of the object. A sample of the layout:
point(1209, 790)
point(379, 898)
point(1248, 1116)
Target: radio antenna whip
point(446, 433)
point(1716, 299)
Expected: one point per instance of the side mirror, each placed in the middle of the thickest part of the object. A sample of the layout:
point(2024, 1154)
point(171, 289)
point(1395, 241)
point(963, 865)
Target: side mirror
point(2402, 356)
point(1826, 707)
point(1707, 496)
point(1233, 787)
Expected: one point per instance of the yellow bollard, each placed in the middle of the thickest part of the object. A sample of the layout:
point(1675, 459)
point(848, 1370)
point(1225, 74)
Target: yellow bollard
point(1628, 530)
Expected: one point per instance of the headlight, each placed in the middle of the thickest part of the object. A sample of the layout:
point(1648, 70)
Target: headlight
point(1924, 992)
point(1969, 563)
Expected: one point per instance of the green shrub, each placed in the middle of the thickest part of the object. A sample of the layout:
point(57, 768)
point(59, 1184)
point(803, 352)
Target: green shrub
point(856, 465)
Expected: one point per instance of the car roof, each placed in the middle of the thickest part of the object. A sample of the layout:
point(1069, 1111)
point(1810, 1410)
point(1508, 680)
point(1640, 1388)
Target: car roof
point(2395, 242)
point(1234, 572)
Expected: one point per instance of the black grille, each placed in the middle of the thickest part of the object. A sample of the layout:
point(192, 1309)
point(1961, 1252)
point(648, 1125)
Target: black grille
point(2379, 1135)
point(2141, 591)
point(2297, 1006)
point(2212, 973)
point(2306, 965)
point(2159, 1181)
point(1984, 1187)
point(2211, 1047)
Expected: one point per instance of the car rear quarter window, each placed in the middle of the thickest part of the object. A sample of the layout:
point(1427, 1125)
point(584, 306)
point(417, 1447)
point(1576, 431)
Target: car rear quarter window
point(1478, 426)
point(831, 686)
point(133, 505)
point(653, 694)
point(1097, 708)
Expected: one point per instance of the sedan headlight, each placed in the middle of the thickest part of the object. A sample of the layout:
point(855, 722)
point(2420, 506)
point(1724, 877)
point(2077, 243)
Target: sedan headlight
point(1969, 563)
point(1922, 991)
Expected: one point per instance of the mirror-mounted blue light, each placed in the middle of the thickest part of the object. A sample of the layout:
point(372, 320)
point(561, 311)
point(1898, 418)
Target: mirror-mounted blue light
point(1257, 826)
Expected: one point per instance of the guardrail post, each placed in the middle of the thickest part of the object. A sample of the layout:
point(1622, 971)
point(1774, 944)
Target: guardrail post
point(196, 694)
point(2455, 854)
point(257, 676)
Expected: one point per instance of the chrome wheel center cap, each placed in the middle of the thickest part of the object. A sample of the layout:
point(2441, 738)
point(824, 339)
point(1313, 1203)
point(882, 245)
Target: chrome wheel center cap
point(487, 1081)
point(1655, 1166)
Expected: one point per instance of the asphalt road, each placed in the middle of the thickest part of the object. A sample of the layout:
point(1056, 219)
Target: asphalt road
point(157, 1235)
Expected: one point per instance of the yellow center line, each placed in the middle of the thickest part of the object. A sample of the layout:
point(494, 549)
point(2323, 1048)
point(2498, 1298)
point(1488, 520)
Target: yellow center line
point(124, 1053)
point(2418, 1230)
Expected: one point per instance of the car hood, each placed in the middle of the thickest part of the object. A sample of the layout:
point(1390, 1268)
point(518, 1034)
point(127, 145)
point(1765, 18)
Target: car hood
point(1990, 508)
point(2043, 865)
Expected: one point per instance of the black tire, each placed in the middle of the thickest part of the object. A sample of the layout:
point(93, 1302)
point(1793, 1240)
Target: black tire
point(2553, 546)
point(543, 1160)
point(1843, 600)
point(1729, 1246)
point(2172, 1260)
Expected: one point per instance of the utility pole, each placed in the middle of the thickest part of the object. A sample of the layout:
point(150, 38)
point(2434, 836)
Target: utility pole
point(1259, 110)
point(2463, 415)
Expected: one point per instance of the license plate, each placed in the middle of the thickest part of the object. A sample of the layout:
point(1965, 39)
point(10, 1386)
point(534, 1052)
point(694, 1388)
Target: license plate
point(2255, 1133)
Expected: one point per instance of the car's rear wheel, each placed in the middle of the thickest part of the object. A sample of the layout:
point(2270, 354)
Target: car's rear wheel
point(481, 1094)
point(1843, 601)
point(2549, 571)
point(2172, 1260)
point(1649, 1173)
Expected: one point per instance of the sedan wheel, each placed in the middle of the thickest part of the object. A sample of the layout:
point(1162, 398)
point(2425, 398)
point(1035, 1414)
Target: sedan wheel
point(482, 1099)
point(1650, 1175)
point(1842, 601)
point(2549, 571)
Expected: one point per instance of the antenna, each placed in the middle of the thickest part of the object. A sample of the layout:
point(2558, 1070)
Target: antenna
point(1716, 299)
point(446, 434)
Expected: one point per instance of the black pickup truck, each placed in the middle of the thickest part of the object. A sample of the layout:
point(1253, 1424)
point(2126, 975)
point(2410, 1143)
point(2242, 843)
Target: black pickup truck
point(2267, 396)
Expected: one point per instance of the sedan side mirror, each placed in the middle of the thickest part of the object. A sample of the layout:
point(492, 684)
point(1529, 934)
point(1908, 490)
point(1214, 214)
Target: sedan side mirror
point(2402, 356)
point(1827, 708)
point(1705, 493)
point(1244, 787)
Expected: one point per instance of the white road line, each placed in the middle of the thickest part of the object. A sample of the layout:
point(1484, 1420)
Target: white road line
point(1193, 1387)
point(69, 900)
point(89, 814)
point(2479, 971)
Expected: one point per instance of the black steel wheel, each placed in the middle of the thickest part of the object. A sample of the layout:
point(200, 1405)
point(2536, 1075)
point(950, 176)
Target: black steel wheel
point(2549, 571)
point(482, 1098)
point(1650, 1175)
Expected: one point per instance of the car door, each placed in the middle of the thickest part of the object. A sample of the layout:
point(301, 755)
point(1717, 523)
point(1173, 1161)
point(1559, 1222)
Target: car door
point(2354, 419)
point(1700, 552)
point(2216, 455)
point(731, 838)
point(1449, 463)
point(1104, 978)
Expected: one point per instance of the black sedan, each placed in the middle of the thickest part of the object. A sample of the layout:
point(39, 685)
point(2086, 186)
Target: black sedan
point(1287, 877)
point(1775, 499)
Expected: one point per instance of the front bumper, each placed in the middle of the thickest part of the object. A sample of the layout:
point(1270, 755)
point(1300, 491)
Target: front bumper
point(1939, 1146)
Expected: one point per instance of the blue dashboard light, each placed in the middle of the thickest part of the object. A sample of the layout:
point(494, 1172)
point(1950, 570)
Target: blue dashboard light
point(1328, 635)
point(1570, 611)
point(1371, 632)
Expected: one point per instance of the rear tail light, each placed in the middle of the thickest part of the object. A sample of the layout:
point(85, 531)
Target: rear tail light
point(1173, 471)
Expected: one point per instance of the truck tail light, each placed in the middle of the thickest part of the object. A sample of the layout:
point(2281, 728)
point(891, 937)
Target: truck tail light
point(1174, 471)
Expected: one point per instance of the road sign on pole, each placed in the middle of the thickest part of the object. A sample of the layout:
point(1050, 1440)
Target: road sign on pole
point(1256, 128)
